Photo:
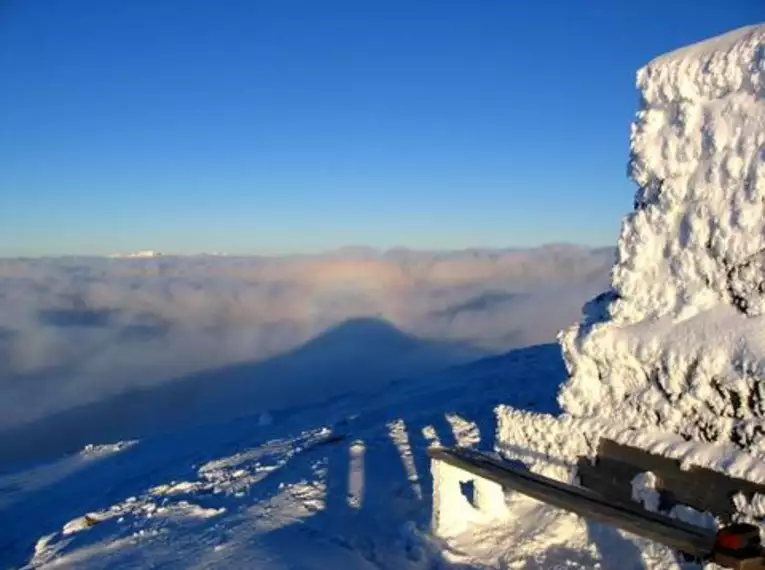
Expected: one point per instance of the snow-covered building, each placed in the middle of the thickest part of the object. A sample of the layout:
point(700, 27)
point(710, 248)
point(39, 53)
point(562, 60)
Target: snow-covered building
point(679, 341)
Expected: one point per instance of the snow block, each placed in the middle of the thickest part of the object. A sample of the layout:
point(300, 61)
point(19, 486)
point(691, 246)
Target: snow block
point(453, 510)
point(677, 343)
point(545, 444)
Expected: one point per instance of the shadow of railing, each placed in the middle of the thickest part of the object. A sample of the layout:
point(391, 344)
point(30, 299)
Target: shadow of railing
point(387, 517)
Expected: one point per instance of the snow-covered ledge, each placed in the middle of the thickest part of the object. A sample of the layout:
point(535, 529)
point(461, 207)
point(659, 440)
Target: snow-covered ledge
point(678, 343)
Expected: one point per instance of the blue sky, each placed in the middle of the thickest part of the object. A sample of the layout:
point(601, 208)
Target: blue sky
point(269, 126)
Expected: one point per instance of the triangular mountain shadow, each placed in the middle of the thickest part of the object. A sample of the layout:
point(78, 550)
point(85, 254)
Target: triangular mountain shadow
point(357, 355)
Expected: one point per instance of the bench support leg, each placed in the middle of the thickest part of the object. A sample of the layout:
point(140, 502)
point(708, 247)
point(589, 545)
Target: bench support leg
point(453, 512)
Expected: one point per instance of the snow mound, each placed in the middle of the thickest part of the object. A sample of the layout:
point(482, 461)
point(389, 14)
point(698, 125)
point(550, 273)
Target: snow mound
point(99, 450)
point(678, 342)
point(644, 491)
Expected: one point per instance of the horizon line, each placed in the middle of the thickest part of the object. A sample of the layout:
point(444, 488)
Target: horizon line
point(147, 254)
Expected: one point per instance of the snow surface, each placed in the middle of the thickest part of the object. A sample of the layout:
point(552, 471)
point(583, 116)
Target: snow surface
point(678, 342)
point(344, 484)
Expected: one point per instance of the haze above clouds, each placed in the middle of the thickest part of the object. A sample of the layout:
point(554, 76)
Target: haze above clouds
point(78, 330)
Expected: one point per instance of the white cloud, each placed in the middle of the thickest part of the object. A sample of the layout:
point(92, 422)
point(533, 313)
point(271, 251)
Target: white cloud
point(77, 330)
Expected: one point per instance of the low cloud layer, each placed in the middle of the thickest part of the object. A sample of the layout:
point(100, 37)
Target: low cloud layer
point(74, 331)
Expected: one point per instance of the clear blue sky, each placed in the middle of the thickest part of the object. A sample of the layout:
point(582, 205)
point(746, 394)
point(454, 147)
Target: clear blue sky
point(264, 126)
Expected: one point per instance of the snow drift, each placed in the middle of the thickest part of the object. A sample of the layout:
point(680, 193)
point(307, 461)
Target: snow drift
point(678, 342)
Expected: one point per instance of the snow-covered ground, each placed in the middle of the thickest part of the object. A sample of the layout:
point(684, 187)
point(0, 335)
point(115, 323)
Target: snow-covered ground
point(343, 484)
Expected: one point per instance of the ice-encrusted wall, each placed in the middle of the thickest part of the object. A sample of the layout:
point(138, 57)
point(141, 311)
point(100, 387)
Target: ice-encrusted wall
point(679, 340)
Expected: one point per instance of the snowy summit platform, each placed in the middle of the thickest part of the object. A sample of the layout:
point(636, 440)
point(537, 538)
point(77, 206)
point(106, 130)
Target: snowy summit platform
point(678, 343)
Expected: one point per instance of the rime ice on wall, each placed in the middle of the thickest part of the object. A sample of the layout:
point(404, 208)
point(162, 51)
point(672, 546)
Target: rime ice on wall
point(697, 157)
point(679, 341)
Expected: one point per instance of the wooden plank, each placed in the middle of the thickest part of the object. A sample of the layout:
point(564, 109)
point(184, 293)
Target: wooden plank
point(603, 481)
point(701, 488)
point(585, 502)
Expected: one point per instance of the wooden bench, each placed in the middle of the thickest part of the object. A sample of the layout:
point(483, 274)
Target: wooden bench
point(605, 495)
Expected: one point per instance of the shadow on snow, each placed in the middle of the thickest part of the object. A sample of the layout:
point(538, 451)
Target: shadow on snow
point(394, 499)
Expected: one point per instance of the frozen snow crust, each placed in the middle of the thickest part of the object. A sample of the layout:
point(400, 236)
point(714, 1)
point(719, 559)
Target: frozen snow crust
point(678, 343)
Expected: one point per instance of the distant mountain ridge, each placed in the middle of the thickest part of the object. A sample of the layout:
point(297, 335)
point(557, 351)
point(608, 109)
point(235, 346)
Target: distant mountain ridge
point(349, 251)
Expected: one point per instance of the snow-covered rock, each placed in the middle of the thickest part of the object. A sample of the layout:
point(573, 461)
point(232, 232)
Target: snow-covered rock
point(678, 341)
point(143, 254)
